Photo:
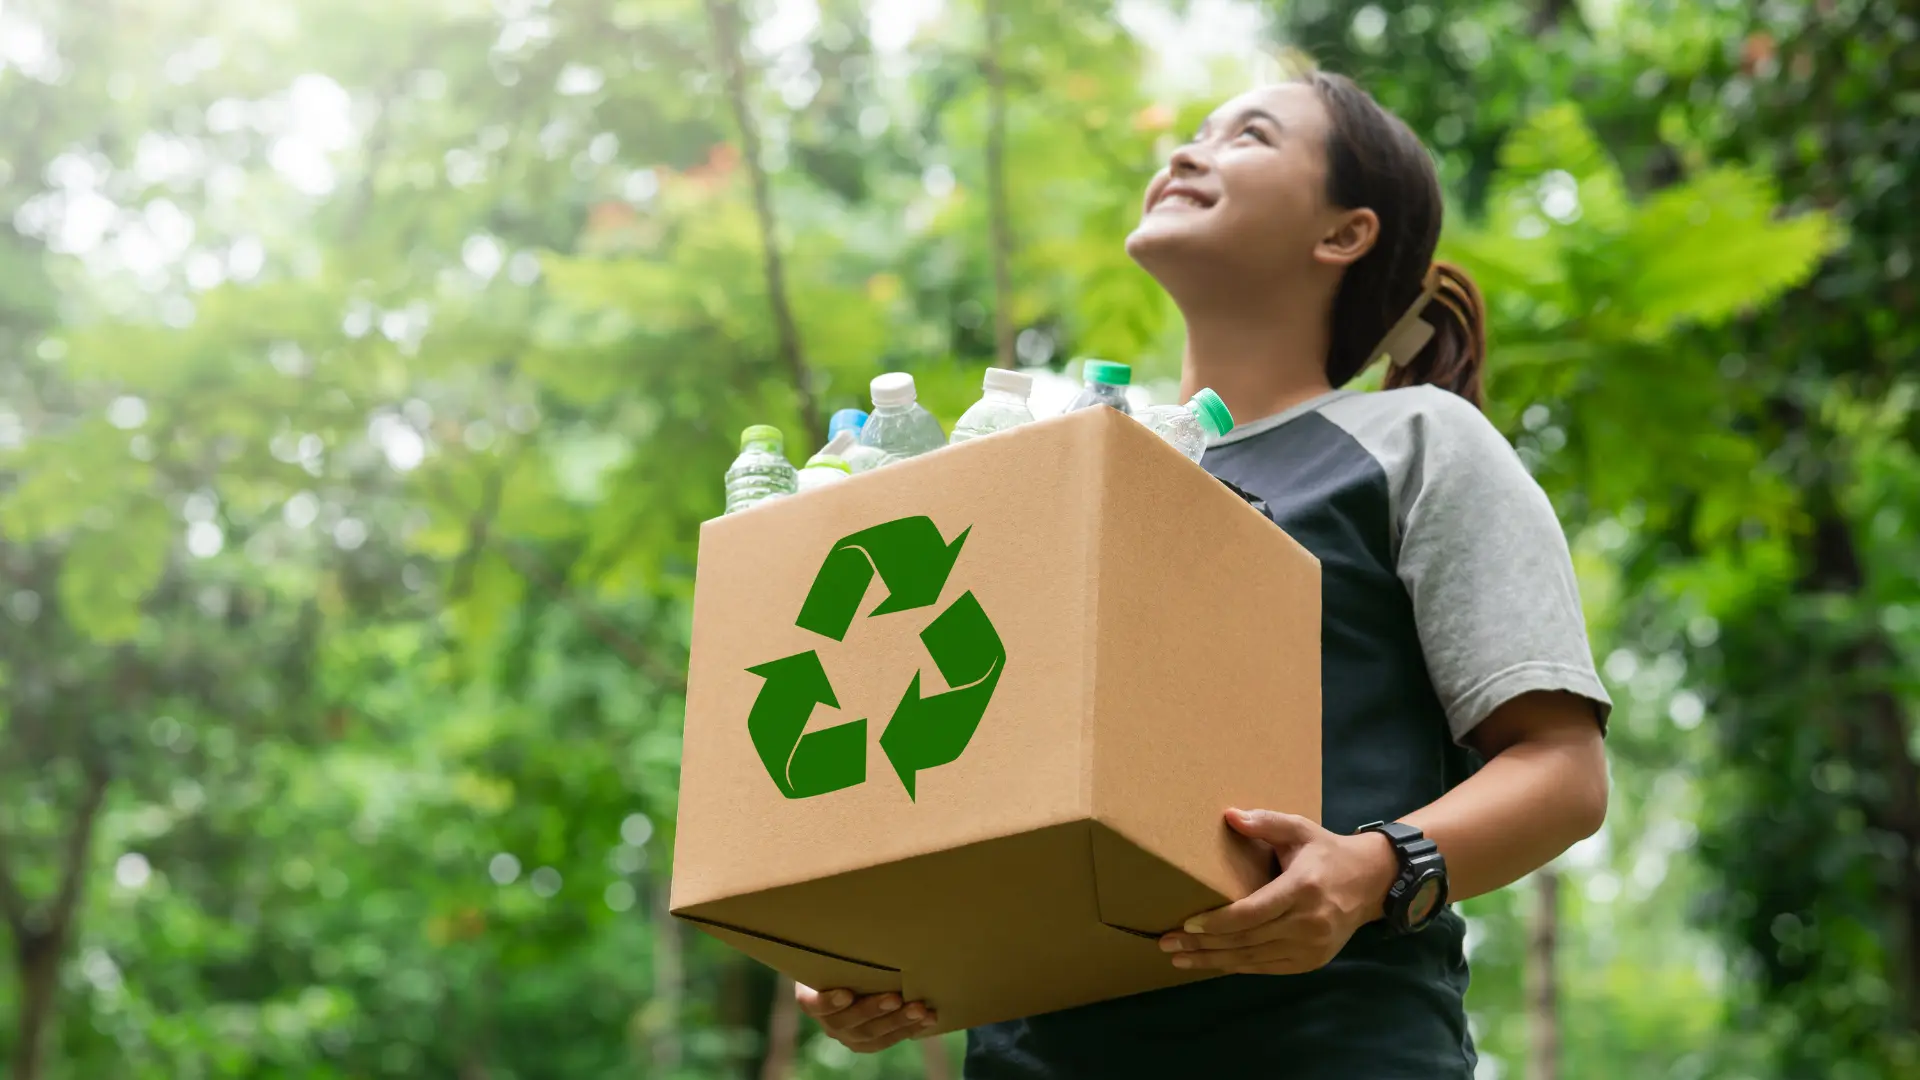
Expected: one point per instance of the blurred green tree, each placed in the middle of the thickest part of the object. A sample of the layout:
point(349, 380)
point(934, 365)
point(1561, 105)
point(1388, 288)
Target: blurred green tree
point(366, 371)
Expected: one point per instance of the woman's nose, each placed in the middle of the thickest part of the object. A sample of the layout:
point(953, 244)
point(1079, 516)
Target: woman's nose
point(1186, 161)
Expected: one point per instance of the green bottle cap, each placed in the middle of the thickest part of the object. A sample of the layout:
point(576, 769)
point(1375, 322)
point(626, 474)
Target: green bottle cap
point(761, 433)
point(1108, 372)
point(1212, 411)
point(828, 461)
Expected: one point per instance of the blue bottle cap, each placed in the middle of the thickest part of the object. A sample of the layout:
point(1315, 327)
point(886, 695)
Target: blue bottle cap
point(846, 420)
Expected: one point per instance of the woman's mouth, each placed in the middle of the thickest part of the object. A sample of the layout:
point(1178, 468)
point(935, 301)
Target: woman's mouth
point(1183, 197)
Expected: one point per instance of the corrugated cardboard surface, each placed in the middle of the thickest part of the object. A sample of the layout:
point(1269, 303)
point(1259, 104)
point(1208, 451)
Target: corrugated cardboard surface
point(1162, 663)
point(1206, 660)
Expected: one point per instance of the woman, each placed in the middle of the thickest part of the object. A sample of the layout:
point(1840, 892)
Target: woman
point(1460, 704)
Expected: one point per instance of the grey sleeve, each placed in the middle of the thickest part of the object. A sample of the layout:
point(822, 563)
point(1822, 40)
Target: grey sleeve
point(1482, 555)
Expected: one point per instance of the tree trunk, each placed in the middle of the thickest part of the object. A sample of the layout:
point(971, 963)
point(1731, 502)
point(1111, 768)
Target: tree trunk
point(724, 16)
point(40, 938)
point(783, 1032)
point(1875, 735)
point(1000, 227)
point(669, 983)
point(37, 963)
point(1543, 992)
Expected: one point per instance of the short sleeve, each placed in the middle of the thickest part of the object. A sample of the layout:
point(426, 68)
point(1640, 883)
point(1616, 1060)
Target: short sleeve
point(1486, 563)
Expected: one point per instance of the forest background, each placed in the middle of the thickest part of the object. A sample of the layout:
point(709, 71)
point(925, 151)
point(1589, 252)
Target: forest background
point(366, 369)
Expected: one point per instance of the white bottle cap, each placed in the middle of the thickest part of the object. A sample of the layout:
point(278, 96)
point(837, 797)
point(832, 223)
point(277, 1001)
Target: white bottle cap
point(1012, 382)
point(893, 388)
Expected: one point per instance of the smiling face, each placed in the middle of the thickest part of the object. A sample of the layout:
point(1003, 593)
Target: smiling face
point(1247, 198)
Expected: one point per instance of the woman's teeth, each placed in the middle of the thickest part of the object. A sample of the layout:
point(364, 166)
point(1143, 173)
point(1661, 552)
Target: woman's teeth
point(1183, 200)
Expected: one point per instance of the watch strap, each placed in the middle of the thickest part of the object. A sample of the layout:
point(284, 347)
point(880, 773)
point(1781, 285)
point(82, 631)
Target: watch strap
point(1416, 856)
point(1397, 831)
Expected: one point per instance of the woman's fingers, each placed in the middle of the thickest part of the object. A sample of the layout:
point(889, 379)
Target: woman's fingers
point(821, 1004)
point(893, 1017)
point(865, 1023)
point(902, 1035)
point(1285, 928)
point(1265, 904)
point(1268, 956)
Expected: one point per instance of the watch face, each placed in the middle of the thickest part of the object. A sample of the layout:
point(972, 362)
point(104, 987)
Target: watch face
point(1426, 896)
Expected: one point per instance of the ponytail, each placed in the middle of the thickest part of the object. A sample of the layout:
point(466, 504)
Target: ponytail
point(1455, 357)
point(1426, 318)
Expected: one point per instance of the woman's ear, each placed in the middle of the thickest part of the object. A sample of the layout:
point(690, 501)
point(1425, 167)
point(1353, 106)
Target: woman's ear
point(1353, 234)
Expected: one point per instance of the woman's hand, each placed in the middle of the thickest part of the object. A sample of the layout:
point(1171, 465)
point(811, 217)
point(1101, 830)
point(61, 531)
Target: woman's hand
point(865, 1025)
point(1329, 887)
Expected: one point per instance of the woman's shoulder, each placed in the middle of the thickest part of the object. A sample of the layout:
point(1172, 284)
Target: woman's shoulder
point(1418, 422)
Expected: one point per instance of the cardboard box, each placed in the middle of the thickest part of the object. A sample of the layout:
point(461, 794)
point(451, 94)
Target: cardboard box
point(1078, 649)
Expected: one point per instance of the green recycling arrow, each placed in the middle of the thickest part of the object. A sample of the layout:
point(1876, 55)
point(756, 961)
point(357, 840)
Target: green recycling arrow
point(930, 731)
point(910, 557)
point(804, 763)
point(914, 562)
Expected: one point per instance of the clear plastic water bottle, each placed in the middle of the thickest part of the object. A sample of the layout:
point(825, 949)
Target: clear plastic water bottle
point(1105, 384)
point(847, 424)
point(823, 469)
point(762, 470)
point(846, 420)
point(899, 428)
point(1188, 426)
point(1003, 405)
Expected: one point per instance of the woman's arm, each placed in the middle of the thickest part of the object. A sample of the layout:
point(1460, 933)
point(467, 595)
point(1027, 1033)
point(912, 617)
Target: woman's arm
point(1543, 789)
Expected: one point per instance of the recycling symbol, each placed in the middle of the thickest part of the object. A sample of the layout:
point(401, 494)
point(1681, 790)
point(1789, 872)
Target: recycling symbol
point(926, 731)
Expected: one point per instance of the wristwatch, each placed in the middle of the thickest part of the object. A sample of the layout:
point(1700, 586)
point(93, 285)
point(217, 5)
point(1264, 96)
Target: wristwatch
point(1420, 892)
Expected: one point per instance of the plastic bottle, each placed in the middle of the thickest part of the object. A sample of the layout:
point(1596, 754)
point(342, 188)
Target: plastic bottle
point(846, 420)
point(1106, 384)
point(1188, 426)
point(899, 428)
point(762, 470)
point(823, 469)
point(837, 446)
point(1002, 405)
point(847, 424)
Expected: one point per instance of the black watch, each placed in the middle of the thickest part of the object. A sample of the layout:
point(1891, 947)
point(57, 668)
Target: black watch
point(1420, 892)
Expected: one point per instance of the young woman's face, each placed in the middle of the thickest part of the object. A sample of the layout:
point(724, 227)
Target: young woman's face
point(1247, 195)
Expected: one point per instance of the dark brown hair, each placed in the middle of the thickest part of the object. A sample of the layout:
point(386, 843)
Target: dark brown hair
point(1375, 161)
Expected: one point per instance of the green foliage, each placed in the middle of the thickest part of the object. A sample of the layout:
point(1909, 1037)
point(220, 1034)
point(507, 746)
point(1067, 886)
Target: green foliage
point(351, 476)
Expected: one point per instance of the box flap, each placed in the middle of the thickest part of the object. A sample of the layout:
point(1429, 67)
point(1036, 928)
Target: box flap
point(809, 967)
point(1138, 891)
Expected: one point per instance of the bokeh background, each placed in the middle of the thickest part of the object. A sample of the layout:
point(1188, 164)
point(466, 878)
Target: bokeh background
point(367, 367)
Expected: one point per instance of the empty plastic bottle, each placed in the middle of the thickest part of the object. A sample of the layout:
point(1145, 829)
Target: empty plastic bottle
point(1105, 384)
point(847, 425)
point(899, 428)
point(1188, 426)
point(823, 469)
point(762, 470)
point(836, 446)
point(846, 420)
point(1003, 405)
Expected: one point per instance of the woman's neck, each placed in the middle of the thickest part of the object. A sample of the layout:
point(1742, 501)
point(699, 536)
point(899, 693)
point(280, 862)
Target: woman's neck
point(1262, 359)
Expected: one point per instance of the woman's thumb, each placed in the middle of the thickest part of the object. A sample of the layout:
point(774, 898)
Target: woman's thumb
point(1280, 830)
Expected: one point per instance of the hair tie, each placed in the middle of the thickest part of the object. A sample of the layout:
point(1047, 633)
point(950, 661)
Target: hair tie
point(1411, 333)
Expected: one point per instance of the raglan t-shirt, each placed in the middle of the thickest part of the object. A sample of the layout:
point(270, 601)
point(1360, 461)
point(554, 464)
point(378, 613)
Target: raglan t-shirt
point(1447, 590)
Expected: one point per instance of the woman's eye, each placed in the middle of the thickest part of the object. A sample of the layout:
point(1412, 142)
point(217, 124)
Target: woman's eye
point(1251, 131)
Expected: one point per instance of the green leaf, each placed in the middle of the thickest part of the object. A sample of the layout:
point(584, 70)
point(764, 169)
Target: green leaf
point(108, 573)
point(1710, 248)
